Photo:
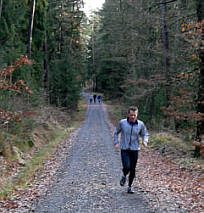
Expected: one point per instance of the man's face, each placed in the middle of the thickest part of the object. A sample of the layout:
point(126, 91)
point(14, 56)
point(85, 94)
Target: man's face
point(132, 115)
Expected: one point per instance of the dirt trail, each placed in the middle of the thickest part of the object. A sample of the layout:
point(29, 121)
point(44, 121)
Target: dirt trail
point(88, 180)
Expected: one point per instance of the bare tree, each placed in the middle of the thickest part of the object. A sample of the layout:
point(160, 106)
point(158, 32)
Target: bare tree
point(30, 28)
point(165, 48)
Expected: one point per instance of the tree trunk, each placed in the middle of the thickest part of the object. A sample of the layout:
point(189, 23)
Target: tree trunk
point(93, 59)
point(152, 107)
point(200, 108)
point(30, 28)
point(1, 3)
point(60, 31)
point(45, 64)
point(165, 49)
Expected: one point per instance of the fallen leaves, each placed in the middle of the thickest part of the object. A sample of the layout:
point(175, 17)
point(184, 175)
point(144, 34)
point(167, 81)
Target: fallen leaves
point(23, 199)
point(175, 189)
point(166, 186)
point(10, 204)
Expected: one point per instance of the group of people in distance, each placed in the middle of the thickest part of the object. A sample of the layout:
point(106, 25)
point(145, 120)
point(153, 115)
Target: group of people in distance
point(94, 98)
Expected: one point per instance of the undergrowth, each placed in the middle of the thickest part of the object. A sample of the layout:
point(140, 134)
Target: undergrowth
point(37, 138)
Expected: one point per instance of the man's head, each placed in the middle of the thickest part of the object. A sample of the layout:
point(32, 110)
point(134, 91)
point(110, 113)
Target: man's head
point(132, 114)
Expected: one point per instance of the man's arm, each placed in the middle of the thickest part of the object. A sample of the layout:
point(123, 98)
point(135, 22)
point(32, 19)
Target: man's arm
point(116, 133)
point(144, 135)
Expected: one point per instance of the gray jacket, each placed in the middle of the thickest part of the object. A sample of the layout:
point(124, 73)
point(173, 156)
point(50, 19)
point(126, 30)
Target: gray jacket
point(130, 134)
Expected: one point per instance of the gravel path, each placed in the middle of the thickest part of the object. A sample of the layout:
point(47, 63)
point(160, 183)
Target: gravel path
point(88, 180)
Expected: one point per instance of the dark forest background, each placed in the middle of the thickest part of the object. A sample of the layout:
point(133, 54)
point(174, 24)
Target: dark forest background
point(134, 52)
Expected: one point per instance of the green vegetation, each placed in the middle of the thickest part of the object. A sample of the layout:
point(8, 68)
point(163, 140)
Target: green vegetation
point(36, 140)
point(42, 70)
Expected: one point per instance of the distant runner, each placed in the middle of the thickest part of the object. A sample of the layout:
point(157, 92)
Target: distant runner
point(94, 98)
point(99, 99)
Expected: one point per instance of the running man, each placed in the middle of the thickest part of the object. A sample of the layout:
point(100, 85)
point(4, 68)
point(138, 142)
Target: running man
point(131, 129)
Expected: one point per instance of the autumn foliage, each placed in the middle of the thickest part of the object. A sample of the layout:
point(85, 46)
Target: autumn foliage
point(17, 87)
point(183, 105)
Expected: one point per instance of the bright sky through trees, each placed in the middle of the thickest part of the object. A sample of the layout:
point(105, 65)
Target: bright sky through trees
point(90, 5)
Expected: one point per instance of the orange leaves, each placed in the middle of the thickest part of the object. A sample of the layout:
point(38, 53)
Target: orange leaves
point(6, 71)
point(193, 28)
point(7, 116)
point(182, 108)
point(17, 87)
point(18, 63)
point(201, 180)
point(183, 29)
point(23, 60)
point(23, 85)
point(193, 35)
point(201, 147)
point(202, 151)
point(193, 56)
point(196, 143)
point(66, 14)
point(190, 75)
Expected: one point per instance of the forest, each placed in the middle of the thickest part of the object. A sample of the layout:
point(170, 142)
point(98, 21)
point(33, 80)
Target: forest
point(144, 53)
point(133, 52)
point(151, 54)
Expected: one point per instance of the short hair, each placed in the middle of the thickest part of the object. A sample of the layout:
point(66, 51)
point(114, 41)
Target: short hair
point(133, 108)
